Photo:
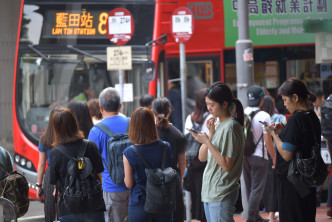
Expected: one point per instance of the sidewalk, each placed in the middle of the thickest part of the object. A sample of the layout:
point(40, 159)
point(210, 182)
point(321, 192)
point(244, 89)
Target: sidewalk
point(320, 215)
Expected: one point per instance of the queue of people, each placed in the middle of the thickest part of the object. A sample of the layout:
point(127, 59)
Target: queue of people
point(215, 187)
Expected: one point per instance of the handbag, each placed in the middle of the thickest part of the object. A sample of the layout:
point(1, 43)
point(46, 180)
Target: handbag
point(304, 173)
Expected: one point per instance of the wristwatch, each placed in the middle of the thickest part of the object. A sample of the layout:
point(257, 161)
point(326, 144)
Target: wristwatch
point(38, 185)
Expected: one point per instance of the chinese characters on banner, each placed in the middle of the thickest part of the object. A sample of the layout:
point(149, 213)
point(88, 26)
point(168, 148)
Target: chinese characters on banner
point(72, 23)
point(284, 6)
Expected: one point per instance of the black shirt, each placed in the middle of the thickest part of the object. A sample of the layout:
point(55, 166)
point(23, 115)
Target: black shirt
point(301, 132)
point(59, 162)
point(176, 139)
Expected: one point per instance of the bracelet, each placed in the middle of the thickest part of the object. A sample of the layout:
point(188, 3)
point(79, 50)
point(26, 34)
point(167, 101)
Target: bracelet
point(38, 185)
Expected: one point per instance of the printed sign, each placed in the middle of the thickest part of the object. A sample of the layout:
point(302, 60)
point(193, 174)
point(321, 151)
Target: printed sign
point(120, 26)
point(119, 58)
point(182, 24)
point(128, 95)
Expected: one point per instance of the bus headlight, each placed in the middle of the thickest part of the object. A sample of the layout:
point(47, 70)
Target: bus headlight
point(23, 162)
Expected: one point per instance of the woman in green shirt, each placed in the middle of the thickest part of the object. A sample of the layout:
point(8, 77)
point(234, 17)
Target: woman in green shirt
point(223, 151)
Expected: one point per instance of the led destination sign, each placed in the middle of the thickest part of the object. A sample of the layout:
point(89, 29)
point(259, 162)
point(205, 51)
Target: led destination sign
point(81, 24)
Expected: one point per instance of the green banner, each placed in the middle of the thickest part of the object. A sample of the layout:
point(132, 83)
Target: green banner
point(276, 22)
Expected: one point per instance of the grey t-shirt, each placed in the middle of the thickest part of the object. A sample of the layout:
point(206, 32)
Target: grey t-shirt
point(229, 140)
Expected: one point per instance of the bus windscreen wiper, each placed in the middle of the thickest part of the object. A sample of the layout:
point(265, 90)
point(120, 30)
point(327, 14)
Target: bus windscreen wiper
point(71, 47)
point(38, 52)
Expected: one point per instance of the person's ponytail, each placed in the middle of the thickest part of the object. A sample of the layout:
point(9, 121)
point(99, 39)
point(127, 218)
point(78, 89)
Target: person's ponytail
point(239, 112)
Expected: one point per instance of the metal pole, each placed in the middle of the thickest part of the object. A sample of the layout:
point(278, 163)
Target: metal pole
point(244, 54)
point(244, 72)
point(121, 75)
point(183, 82)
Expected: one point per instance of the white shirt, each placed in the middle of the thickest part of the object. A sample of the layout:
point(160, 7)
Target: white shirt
point(189, 125)
point(258, 128)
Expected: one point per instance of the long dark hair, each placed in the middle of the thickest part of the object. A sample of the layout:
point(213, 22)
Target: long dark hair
point(296, 86)
point(220, 92)
point(200, 107)
point(268, 105)
point(48, 136)
point(82, 113)
point(161, 108)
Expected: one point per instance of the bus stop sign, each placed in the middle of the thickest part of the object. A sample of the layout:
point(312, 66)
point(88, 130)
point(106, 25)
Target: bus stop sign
point(120, 26)
point(182, 24)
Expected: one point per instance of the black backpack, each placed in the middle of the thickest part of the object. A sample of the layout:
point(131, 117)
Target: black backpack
point(192, 148)
point(160, 194)
point(326, 121)
point(249, 144)
point(116, 144)
point(83, 191)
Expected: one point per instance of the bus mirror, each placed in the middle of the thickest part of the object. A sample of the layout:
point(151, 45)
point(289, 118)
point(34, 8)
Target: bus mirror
point(150, 67)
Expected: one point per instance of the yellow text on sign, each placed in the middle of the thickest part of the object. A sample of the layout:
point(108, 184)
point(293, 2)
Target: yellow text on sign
point(119, 58)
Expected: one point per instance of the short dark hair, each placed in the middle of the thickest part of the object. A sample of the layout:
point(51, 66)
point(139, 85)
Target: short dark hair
point(296, 86)
point(142, 129)
point(146, 100)
point(65, 127)
point(109, 99)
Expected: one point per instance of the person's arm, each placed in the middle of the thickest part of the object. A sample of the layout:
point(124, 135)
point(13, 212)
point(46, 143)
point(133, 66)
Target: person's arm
point(286, 155)
point(224, 162)
point(182, 162)
point(41, 170)
point(129, 173)
point(270, 148)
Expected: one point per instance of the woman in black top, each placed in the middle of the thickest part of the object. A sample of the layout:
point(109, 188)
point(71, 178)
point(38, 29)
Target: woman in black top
point(167, 132)
point(297, 135)
point(67, 133)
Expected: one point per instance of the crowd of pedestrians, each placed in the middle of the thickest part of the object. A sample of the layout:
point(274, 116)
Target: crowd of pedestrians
point(215, 177)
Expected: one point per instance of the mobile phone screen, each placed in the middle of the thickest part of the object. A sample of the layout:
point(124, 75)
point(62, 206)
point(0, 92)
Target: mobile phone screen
point(192, 130)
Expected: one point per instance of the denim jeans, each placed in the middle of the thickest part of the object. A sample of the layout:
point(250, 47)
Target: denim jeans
point(222, 211)
point(86, 217)
point(138, 214)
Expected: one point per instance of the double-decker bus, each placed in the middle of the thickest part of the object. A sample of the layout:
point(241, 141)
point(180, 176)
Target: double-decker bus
point(62, 44)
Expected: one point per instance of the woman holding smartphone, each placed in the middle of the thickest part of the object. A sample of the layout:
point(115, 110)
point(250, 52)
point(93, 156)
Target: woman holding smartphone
point(223, 151)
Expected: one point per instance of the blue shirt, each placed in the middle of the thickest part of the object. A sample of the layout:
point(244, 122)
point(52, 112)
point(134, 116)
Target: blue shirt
point(43, 148)
point(117, 124)
point(152, 153)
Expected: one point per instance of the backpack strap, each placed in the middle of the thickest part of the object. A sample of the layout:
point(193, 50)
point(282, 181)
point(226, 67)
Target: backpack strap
point(105, 129)
point(140, 156)
point(69, 154)
point(145, 163)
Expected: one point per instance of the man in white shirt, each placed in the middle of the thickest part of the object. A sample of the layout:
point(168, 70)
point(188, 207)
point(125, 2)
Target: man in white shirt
point(255, 167)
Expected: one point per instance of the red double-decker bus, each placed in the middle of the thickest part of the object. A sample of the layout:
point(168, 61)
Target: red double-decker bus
point(61, 47)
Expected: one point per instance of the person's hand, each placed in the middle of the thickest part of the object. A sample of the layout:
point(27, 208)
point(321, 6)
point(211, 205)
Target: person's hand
point(40, 192)
point(269, 128)
point(200, 137)
point(278, 128)
point(210, 125)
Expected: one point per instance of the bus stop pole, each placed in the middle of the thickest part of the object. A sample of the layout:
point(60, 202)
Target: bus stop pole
point(183, 108)
point(121, 75)
point(183, 82)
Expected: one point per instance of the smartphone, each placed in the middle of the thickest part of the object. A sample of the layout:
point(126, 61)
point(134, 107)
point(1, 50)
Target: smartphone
point(41, 192)
point(192, 130)
point(265, 124)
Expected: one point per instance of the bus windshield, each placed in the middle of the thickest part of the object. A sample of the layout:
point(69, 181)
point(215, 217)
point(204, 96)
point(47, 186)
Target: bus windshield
point(44, 84)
